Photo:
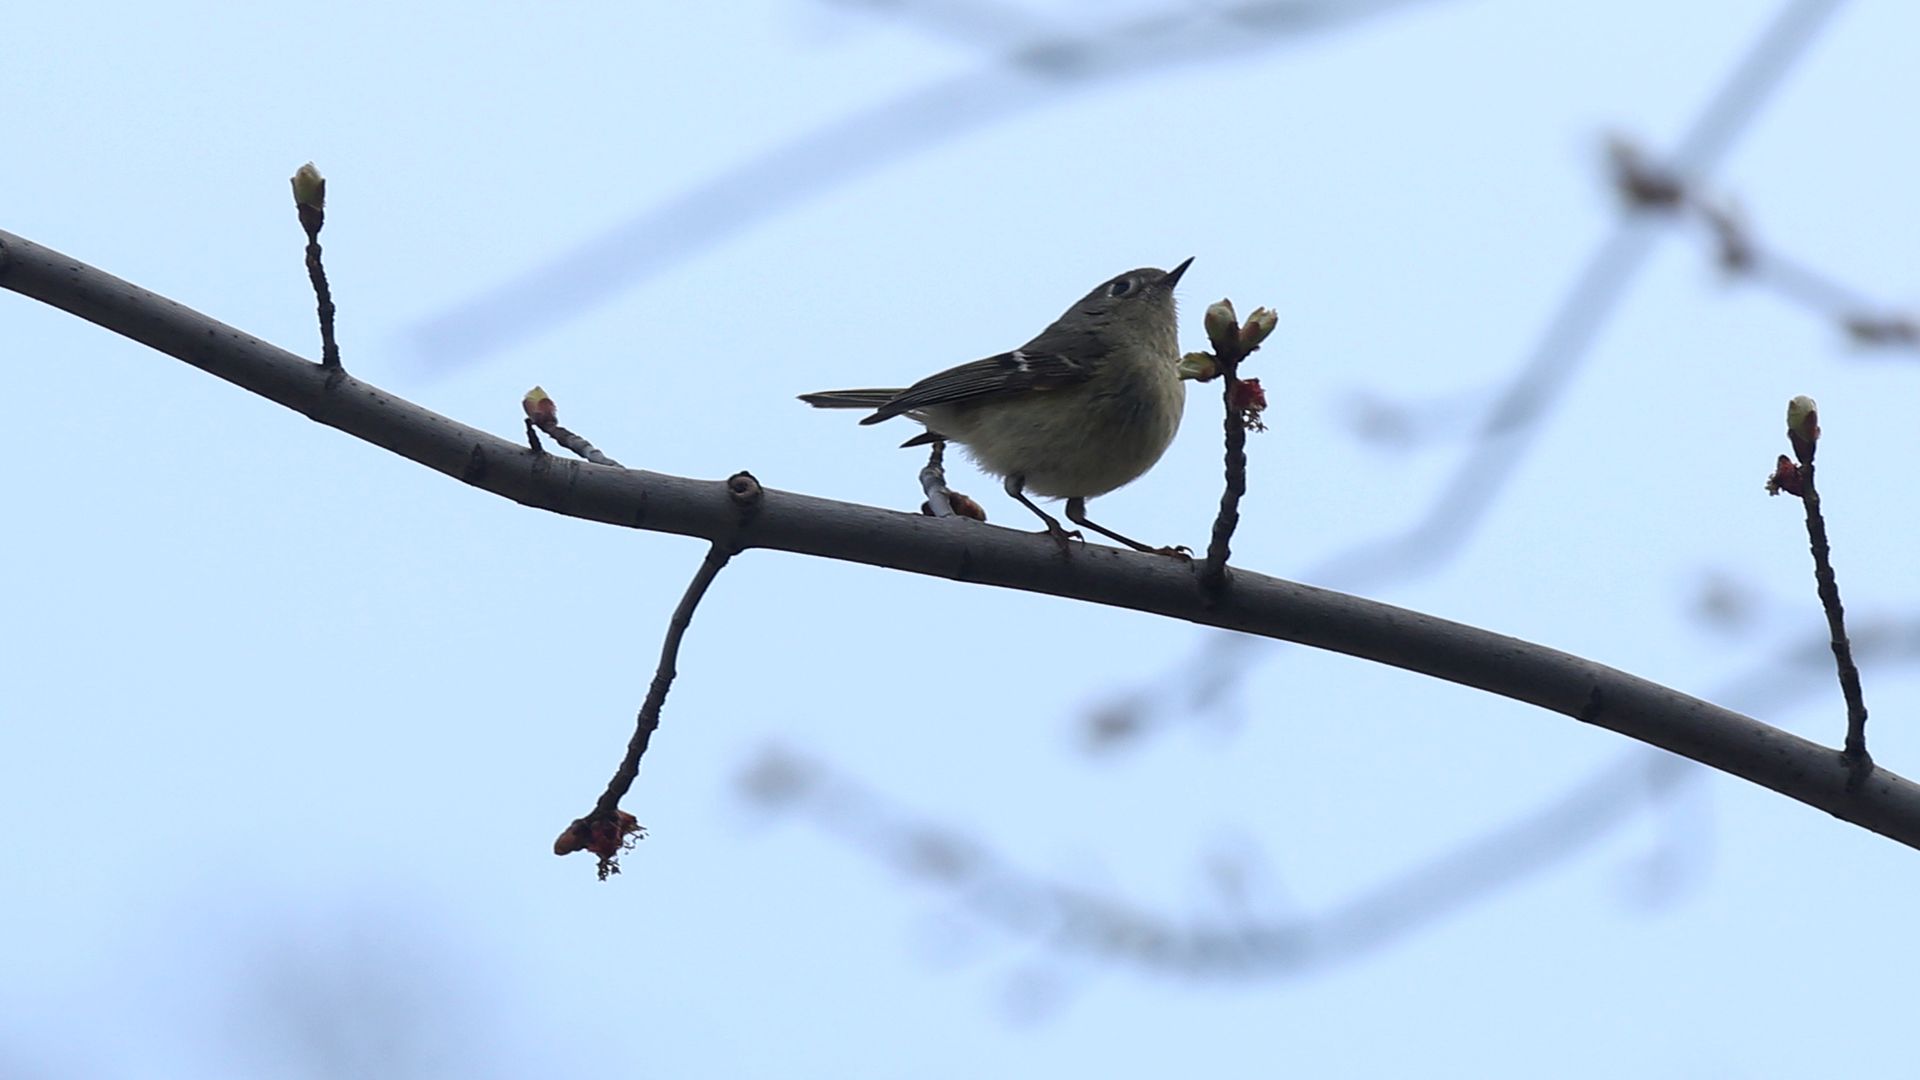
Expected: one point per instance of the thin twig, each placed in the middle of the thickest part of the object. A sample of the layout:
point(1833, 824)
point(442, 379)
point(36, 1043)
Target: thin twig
point(607, 822)
point(1242, 400)
point(648, 720)
point(1214, 574)
point(543, 413)
point(1856, 746)
point(310, 199)
point(943, 501)
point(1803, 432)
point(933, 481)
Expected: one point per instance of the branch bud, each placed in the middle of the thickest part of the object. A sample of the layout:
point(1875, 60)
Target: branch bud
point(309, 188)
point(539, 407)
point(1786, 477)
point(1199, 366)
point(1258, 326)
point(1223, 328)
point(1803, 427)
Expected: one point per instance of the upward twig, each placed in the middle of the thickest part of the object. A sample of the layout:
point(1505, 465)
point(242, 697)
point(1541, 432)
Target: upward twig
point(1243, 399)
point(1235, 425)
point(1803, 431)
point(310, 199)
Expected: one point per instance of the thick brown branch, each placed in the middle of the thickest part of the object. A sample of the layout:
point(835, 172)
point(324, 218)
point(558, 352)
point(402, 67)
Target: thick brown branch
point(1257, 604)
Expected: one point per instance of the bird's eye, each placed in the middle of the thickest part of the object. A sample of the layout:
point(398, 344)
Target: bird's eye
point(1120, 287)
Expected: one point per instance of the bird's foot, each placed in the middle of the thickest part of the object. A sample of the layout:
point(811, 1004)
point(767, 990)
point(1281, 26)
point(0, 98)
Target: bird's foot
point(1064, 537)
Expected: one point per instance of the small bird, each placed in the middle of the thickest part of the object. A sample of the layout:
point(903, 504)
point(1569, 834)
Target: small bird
point(1087, 406)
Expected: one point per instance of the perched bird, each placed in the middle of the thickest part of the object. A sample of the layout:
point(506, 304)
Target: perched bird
point(1087, 406)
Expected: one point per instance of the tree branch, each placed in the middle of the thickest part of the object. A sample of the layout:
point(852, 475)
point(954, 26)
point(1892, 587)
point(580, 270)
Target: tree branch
point(310, 202)
point(1803, 433)
point(1257, 604)
point(1070, 918)
point(607, 829)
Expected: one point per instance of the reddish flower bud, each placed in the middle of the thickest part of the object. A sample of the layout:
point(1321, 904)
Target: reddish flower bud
point(1250, 401)
point(1786, 477)
point(539, 407)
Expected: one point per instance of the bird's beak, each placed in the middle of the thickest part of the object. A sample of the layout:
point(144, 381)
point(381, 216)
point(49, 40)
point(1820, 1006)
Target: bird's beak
point(1173, 275)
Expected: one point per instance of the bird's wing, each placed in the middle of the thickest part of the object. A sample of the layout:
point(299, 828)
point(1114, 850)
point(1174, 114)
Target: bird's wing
point(997, 376)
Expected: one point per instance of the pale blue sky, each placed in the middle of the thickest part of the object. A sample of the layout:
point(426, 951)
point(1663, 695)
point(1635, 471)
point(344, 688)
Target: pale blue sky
point(293, 723)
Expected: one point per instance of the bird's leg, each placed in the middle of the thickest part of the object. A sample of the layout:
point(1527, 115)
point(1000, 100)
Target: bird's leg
point(1017, 487)
point(1077, 513)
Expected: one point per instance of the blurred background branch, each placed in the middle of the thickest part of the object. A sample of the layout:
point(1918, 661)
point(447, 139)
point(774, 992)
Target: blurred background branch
point(1030, 72)
point(1078, 919)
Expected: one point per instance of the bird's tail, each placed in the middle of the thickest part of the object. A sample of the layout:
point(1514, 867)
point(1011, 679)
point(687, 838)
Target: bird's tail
point(850, 399)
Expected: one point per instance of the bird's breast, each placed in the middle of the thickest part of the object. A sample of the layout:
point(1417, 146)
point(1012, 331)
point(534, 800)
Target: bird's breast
point(1074, 441)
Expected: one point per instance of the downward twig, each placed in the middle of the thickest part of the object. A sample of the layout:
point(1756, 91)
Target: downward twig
point(1803, 431)
point(609, 830)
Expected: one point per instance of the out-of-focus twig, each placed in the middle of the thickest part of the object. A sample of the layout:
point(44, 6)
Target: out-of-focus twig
point(1651, 187)
point(1073, 919)
point(1647, 186)
point(1519, 412)
point(1795, 476)
point(988, 23)
point(1069, 918)
point(1024, 77)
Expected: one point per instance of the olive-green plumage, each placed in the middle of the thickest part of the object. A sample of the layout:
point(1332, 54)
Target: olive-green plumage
point(1087, 406)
